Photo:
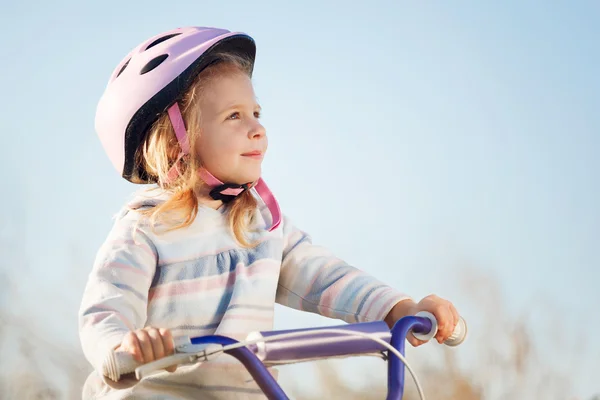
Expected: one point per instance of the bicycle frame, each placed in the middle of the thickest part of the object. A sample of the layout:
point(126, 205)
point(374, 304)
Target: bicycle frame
point(323, 345)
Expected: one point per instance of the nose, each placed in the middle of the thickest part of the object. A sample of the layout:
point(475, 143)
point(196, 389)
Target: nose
point(256, 130)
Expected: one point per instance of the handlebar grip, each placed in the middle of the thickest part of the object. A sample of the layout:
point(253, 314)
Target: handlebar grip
point(457, 337)
point(117, 364)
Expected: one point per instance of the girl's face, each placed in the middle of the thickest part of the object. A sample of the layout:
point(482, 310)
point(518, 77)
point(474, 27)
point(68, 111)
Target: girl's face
point(232, 141)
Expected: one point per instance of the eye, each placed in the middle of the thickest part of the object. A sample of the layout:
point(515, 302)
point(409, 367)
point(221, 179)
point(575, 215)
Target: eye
point(235, 115)
point(257, 114)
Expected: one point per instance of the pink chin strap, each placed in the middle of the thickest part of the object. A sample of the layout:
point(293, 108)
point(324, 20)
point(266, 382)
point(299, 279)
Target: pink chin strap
point(228, 190)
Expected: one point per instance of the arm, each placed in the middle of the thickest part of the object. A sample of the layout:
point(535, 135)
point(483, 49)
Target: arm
point(312, 279)
point(116, 295)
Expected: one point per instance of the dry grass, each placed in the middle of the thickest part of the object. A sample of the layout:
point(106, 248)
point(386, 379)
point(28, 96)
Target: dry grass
point(507, 364)
point(34, 366)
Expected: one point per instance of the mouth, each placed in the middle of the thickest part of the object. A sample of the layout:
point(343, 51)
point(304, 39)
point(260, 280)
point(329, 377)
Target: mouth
point(253, 154)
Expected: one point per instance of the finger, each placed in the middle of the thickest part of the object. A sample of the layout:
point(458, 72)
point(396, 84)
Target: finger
point(157, 343)
point(167, 339)
point(131, 345)
point(455, 315)
point(172, 368)
point(431, 299)
point(445, 323)
point(145, 344)
point(414, 341)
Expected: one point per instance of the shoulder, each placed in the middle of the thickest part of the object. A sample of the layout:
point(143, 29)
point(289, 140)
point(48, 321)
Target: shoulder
point(130, 219)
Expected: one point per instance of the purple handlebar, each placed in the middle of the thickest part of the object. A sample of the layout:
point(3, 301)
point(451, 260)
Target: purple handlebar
point(321, 344)
point(395, 366)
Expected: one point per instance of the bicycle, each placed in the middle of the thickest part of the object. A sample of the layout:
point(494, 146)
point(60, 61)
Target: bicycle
point(263, 349)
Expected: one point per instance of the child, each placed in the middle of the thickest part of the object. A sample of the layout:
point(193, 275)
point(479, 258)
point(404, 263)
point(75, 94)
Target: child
point(205, 249)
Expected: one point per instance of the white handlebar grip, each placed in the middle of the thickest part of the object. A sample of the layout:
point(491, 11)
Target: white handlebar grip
point(118, 363)
point(457, 337)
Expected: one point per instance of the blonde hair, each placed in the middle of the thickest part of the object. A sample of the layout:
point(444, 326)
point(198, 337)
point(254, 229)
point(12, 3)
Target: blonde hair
point(160, 150)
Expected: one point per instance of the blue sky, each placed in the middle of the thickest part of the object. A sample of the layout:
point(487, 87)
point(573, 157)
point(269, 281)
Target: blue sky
point(410, 137)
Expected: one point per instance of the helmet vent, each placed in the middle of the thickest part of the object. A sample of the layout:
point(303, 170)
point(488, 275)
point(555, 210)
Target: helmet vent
point(162, 39)
point(155, 62)
point(123, 68)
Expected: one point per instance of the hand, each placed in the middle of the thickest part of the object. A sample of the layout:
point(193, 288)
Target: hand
point(148, 344)
point(444, 312)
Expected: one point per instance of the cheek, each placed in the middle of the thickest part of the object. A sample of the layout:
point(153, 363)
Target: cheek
point(214, 150)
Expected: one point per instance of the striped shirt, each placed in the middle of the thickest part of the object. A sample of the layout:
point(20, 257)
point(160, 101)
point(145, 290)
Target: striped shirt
point(198, 281)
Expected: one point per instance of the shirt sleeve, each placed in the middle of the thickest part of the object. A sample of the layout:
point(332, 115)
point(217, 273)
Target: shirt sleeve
point(313, 279)
point(115, 298)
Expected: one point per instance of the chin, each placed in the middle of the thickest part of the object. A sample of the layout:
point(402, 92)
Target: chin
point(253, 178)
point(245, 178)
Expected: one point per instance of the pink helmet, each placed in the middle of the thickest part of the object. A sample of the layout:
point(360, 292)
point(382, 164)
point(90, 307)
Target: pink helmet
point(150, 80)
